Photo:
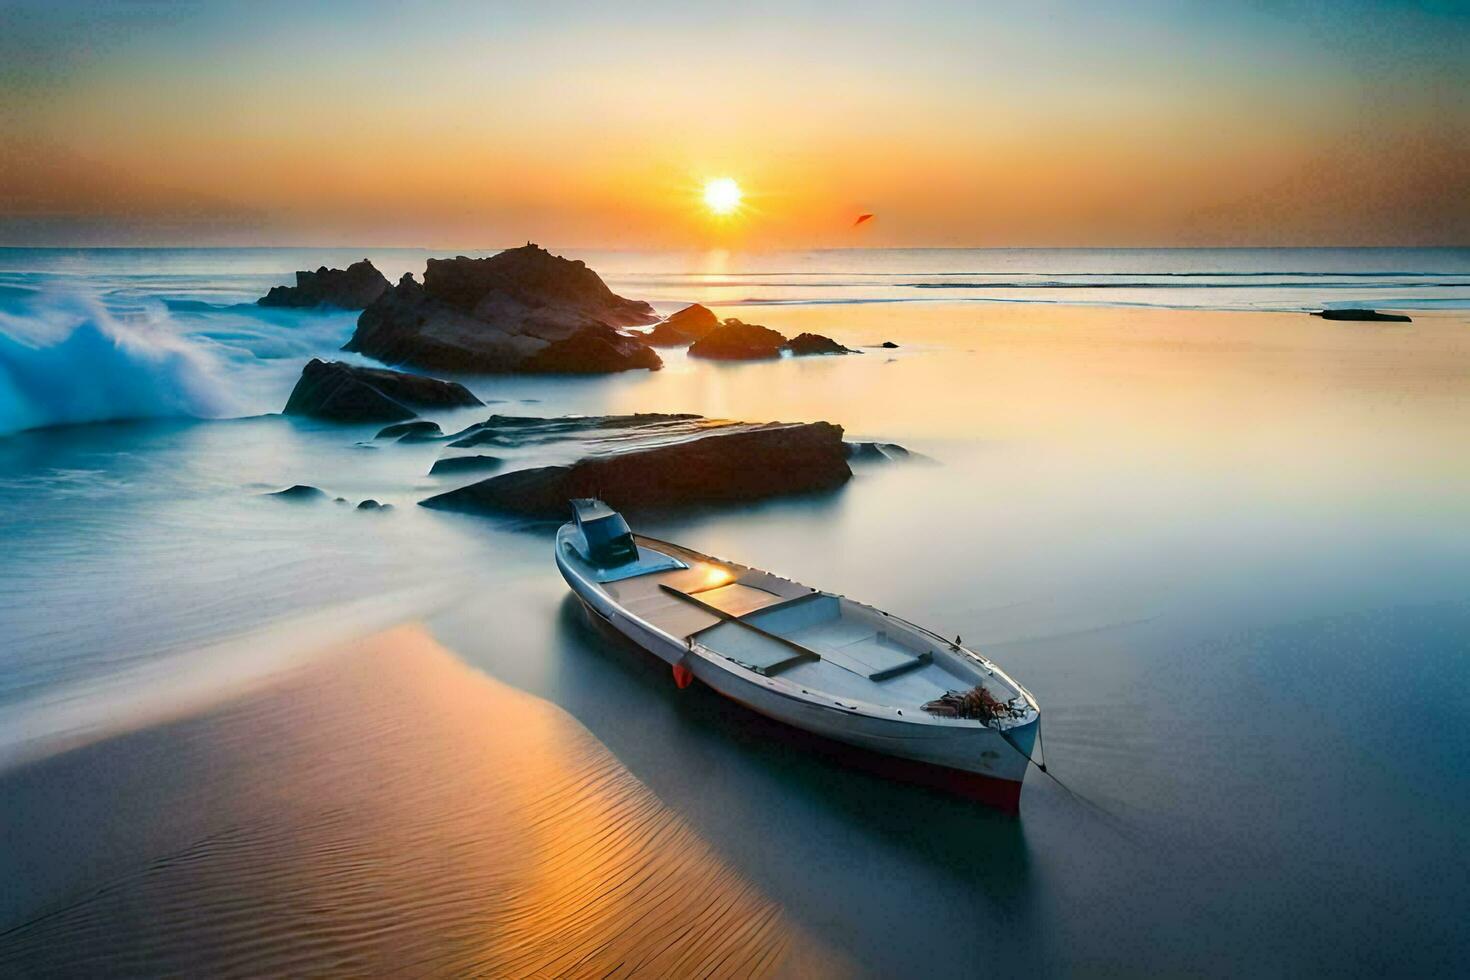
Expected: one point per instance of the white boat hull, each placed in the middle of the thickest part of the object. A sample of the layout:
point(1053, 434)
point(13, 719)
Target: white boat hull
point(977, 762)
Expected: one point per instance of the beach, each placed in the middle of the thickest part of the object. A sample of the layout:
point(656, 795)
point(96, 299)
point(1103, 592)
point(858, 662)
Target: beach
point(381, 809)
point(1227, 549)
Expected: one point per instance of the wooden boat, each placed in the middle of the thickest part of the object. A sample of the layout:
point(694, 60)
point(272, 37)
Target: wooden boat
point(913, 704)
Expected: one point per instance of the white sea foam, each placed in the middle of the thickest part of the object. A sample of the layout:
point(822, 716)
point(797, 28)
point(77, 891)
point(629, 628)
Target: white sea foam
point(65, 359)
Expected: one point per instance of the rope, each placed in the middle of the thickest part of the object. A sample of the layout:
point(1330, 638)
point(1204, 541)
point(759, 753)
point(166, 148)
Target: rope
point(1109, 816)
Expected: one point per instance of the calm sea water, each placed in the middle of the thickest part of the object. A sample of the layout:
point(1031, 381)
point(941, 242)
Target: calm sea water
point(1229, 553)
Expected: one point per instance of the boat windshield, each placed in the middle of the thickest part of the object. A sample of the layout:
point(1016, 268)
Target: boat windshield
point(609, 541)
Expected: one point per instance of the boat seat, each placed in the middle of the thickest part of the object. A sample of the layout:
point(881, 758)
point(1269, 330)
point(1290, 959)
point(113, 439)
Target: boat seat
point(752, 649)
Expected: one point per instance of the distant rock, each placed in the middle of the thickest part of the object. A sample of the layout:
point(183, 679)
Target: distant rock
point(418, 429)
point(805, 344)
point(523, 310)
point(299, 492)
point(352, 288)
point(888, 345)
point(735, 340)
point(1365, 315)
point(450, 465)
point(371, 504)
point(730, 463)
point(347, 393)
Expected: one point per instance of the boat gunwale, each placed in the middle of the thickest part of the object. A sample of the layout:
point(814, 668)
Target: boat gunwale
point(788, 688)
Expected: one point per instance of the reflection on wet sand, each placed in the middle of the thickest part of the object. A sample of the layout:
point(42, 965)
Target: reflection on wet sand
point(404, 814)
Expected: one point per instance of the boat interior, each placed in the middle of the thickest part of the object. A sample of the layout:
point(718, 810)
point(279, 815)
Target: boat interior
point(779, 628)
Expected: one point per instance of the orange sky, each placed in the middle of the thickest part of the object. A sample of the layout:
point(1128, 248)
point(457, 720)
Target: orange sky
point(457, 125)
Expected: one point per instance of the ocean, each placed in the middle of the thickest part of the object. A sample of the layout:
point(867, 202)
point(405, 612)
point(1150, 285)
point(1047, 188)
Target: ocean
point(1225, 544)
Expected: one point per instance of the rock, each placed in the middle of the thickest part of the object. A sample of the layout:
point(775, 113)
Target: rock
point(346, 393)
point(527, 430)
point(888, 345)
point(731, 464)
point(352, 288)
point(593, 350)
point(876, 452)
point(693, 321)
point(371, 504)
point(735, 340)
point(299, 492)
point(1365, 315)
point(450, 465)
point(814, 343)
point(664, 335)
point(523, 310)
point(417, 430)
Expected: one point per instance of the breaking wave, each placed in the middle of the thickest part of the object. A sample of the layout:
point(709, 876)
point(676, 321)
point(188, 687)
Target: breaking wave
point(65, 359)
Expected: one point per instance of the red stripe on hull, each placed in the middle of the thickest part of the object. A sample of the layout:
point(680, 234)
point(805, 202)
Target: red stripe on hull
point(1001, 794)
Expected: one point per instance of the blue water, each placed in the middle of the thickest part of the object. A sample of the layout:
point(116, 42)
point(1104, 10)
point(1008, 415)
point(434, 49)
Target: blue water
point(1228, 552)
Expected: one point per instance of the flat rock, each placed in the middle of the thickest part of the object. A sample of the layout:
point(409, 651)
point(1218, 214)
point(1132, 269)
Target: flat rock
point(450, 465)
point(347, 393)
point(1363, 315)
point(728, 463)
point(735, 340)
point(415, 430)
point(352, 288)
point(806, 344)
point(523, 310)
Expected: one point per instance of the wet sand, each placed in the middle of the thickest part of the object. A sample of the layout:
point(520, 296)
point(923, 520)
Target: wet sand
point(384, 810)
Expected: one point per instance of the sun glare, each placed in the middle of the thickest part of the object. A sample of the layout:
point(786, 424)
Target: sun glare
point(721, 195)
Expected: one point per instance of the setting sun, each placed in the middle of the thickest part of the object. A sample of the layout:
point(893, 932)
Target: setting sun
point(721, 195)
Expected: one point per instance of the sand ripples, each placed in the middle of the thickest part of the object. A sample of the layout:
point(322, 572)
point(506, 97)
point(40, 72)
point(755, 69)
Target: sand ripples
point(387, 812)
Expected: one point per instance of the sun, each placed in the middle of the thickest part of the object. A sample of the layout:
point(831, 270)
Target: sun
point(721, 195)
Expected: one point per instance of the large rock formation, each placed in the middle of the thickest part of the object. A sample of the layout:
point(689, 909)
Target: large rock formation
point(735, 340)
point(352, 288)
point(723, 463)
point(521, 310)
point(346, 393)
point(1372, 316)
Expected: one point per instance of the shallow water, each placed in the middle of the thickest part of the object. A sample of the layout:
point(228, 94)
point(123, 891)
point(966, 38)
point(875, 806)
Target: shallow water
point(1228, 552)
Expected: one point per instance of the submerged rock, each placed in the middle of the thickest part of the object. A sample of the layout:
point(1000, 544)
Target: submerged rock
point(299, 492)
point(1364, 315)
point(729, 463)
point(814, 343)
point(876, 452)
point(735, 340)
point(523, 310)
point(352, 288)
point(450, 465)
point(411, 431)
point(347, 393)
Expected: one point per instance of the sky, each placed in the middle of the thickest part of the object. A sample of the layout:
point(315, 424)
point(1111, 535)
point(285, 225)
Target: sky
point(596, 125)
